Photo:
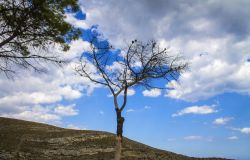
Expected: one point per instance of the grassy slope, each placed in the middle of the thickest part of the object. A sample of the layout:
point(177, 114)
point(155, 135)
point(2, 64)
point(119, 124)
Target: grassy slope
point(29, 140)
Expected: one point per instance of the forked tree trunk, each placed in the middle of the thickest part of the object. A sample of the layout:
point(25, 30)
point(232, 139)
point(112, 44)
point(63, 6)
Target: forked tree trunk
point(120, 121)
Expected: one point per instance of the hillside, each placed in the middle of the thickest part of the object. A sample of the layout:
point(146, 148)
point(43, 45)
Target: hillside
point(29, 140)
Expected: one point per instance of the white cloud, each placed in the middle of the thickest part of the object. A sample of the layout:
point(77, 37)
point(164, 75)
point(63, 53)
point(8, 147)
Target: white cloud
point(76, 127)
point(20, 97)
point(40, 96)
point(77, 23)
point(147, 107)
point(217, 51)
point(72, 126)
point(130, 110)
point(36, 113)
point(66, 110)
point(70, 93)
point(152, 93)
point(233, 138)
point(41, 113)
point(196, 138)
point(245, 130)
point(130, 92)
point(193, 137)
point(222, 120)
point(217, 71)
point(115, 67)
point(196, 110)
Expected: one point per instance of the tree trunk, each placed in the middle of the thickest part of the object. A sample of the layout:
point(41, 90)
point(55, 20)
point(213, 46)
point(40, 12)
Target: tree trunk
point(120, 121)
point(118, 149)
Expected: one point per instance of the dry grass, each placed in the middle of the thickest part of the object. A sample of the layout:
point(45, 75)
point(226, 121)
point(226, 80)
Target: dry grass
point(28, 140)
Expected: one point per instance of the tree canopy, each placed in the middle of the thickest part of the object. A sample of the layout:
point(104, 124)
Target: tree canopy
point(26, 25)
point(139, 65)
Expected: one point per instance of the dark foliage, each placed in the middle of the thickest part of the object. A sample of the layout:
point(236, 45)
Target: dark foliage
point(28, 27)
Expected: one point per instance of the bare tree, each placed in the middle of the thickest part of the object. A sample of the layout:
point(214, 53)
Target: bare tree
point(140, 65)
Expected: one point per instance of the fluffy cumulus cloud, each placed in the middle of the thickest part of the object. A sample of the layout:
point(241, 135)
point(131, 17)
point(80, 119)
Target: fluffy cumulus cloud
point(215, 41)
point(70, 18)
point(131, 92)
point(39, 113)
point(37, 96)
point(222, 120)
point(209, 77)
point(152, 93)
point(245, 130)
point(66, 110)
point(196, 110)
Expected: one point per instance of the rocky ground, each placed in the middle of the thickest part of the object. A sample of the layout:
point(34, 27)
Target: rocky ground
point(28, 140)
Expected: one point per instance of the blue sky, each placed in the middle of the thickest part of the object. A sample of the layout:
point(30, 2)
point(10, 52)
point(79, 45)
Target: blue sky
point(205, 114)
